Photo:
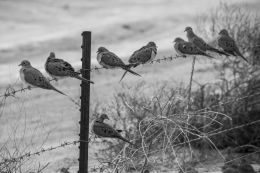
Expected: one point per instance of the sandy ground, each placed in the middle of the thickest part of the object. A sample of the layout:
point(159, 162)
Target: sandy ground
point(31, 29)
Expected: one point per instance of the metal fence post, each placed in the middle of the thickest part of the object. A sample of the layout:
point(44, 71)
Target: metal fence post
point(85, 99)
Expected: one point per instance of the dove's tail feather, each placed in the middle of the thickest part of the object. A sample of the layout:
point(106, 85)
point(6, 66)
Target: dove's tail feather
point(240, 54)
point(71, 99)
point(83, 79)
point(127, 69)
point(207, 55)
point(126, 140)
point(237, 52)
point(123, 76)
point(244, 58)
point(129, 66)
point(58, 91)
point(218, 51)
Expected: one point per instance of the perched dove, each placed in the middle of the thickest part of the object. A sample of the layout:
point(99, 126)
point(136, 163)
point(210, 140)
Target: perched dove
point(228, 44)
point(200, 43)
point(33, 77)
point(143, 55)
point(183, 47)
point(58, 68)
point(110, 60)
point(102, 129)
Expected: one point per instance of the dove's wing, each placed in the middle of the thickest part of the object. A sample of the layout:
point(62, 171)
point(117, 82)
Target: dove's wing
point(105, 130)
point(200, 43)
point(226, 43)
point(59, 67)
point(36, 78)
point(142, 56)
point(138, 50)
point(187, 48)
point(112, 60)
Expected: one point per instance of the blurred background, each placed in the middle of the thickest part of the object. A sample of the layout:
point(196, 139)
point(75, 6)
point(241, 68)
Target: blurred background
point(31, 29)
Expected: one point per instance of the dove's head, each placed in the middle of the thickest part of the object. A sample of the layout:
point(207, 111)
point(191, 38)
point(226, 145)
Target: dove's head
point(178, 40)
point(188, 29)
point(151, 44)
point(101, 49)
point(223, 32)
point(25, 63)
point(102, 117)
point(52, 55)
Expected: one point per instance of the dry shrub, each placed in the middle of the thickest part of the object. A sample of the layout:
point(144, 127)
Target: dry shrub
point(237, 78)
point(155, 117)
point(159, 126)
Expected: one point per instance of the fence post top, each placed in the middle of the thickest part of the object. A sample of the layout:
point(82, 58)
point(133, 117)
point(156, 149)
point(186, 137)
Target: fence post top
point(85, 33)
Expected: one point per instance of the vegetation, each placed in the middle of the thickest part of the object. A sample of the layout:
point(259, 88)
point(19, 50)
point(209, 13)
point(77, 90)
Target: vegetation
point(166, 133)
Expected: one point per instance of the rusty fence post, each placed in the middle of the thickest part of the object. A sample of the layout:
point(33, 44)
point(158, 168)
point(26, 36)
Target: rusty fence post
point(85, 102)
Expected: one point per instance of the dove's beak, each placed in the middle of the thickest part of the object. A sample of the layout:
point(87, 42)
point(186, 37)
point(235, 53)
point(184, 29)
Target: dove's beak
point(20, 64)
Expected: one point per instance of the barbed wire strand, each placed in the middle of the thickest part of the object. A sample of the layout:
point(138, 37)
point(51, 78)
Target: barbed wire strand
point(227, 102)
point(64, 144)
point(159, 60)
point(43, 150)
point(10, 91)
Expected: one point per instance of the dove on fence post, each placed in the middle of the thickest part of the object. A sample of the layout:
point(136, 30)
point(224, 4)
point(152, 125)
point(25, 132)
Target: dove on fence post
point(228, 44)
point(102, 129)
point(185, 48)
point(200, 43)
point(58, 68)
point(33, 77)
point(109, 60)
point(143, 55)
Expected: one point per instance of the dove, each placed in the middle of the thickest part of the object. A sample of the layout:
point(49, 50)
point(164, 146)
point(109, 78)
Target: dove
point(58, 68)
point(200, 43)
point(143, 55)
point(109, 60)
point(33, 77)
point(228, 44)
point(102, 129)
point(183, 47)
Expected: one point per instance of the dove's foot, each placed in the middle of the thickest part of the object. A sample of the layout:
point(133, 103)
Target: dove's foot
point(29, 87)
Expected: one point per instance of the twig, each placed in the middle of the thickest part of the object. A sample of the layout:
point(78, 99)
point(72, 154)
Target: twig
point(190, 85)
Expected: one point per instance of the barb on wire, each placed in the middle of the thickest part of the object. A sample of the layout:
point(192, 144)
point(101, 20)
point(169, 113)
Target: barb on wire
point(169, 58)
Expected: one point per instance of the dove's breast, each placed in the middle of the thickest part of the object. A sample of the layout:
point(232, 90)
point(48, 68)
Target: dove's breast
point(23, 77)
point(153, 55)
point(176, 47)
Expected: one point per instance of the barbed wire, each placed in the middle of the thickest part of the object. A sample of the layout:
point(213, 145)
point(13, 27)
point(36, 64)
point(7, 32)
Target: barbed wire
point(227, 102)
point(43, 150)
point(159, 60)
point(10, 91)
point(64, 144)
point(193, 140)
